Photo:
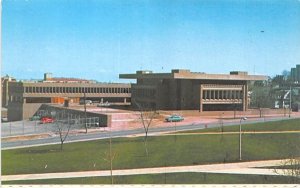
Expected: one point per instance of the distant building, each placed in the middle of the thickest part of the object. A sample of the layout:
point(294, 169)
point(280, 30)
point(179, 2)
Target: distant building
point(185, 90)
point(25, 97)
point(295, 74)
point(4, 85)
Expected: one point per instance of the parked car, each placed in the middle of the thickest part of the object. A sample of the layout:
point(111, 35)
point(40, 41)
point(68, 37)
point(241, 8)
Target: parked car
point(34, 118)
point(103, 104)
point(174, 118)
point(4, 119)
point(47, 120)
point(89, 102)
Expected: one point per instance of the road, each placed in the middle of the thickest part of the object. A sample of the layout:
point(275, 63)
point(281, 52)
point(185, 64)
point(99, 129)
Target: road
point(124, 133)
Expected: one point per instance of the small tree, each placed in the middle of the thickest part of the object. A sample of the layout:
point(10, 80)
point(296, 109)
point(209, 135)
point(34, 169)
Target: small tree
point(290, 167)
point(146, 117)
point(109, 157)
point(63, 128)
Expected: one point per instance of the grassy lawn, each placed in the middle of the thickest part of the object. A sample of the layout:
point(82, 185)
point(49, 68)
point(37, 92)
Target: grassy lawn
point(284, 125)
point(163, 151)
point(171, 178)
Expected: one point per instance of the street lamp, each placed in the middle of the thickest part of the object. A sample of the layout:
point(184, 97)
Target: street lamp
point(243, 118)
point(290, 101)
point(222, 123)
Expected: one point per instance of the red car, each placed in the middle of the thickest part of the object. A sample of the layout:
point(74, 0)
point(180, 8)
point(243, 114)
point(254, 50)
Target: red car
point(47, 120)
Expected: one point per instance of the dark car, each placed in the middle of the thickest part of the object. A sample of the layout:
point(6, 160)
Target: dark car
point(174, 118)
point(34, 118)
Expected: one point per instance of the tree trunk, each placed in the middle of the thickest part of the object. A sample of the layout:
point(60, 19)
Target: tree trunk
point(145, 144)
point(61, 146)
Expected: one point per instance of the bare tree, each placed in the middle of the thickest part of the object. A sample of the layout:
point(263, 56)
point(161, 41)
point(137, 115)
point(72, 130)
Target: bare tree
point(63, 128)
point(290, 167)
point(146, 117)
point(109, 157)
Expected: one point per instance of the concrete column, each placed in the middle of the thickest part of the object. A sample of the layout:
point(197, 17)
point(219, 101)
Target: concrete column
point(245, 97)
point(201, 100)
point(124, 100)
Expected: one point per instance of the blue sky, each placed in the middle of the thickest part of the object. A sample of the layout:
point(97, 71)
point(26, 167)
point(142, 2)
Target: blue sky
point(98, 39)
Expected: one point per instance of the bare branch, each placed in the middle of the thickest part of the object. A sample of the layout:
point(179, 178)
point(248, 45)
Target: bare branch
point(290, 167)
point(146, 118)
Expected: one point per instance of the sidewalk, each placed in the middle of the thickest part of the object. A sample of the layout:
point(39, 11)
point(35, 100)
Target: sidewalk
point(224, 168)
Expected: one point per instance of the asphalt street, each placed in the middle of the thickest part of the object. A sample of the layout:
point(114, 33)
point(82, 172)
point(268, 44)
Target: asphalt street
point(106, 134)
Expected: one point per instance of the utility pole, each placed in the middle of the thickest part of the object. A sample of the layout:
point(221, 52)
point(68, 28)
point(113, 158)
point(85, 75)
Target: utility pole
point(84, 96)
point(234, 113)
point(111, 158)
point(290, 101)
point(240, 140)
point(175, 131)
point(222, 123)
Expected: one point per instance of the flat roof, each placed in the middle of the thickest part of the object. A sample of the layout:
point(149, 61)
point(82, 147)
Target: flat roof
point(186, 74)
point(70, 84)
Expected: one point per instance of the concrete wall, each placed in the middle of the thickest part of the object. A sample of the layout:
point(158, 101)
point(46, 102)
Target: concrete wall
point(187, 99)
point(162, 95)
point(172, 95)
point(15, 111)
point(29, 109)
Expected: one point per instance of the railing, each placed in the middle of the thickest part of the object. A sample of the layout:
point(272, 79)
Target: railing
point(26, 127)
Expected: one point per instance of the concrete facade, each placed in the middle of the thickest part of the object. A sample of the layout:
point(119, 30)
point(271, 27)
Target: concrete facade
point(185, 90)
point(25, 98)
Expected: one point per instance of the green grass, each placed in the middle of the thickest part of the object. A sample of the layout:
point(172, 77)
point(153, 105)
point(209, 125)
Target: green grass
point(163, 151)
point(171, 178)
point(284, 125)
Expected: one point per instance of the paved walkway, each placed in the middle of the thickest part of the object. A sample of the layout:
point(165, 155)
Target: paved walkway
point(234, 132)
point(212, 133)
point(227, 168)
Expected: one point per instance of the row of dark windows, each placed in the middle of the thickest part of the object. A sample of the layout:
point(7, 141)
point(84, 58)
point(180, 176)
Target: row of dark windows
point(222, 94)
point(76, 90)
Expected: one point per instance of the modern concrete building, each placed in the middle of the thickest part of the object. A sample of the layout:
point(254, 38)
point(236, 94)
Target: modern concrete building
point(185, 90)
point(25, 97)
